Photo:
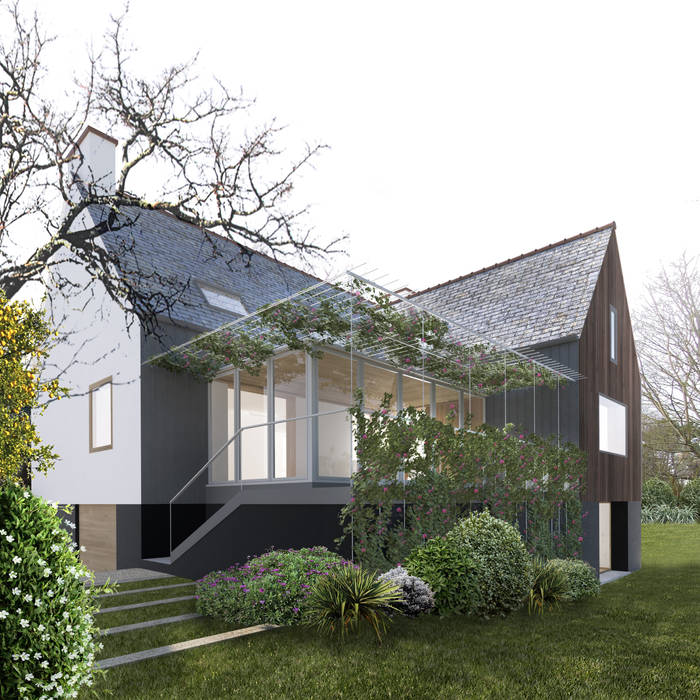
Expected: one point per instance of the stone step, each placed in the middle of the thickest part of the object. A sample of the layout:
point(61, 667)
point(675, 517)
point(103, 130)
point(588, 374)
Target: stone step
point(147, 604)
point(150, 623)
point(180, 646)
point(146, 590)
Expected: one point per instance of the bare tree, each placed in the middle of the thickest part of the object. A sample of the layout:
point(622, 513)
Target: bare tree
point(239, 188)
point(668, 339)
point(664, 455)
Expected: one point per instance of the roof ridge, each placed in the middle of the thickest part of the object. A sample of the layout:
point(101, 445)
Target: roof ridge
point(612, 225)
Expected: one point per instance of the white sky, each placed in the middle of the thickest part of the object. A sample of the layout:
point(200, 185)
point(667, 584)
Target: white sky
point(461, 134)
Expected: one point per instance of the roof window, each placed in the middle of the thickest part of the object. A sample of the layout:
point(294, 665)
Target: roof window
point(223, 300)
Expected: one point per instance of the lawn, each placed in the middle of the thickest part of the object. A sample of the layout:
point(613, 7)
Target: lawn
point(640, 638)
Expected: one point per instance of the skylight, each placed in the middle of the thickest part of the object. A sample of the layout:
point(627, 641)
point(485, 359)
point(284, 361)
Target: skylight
point(223, 300)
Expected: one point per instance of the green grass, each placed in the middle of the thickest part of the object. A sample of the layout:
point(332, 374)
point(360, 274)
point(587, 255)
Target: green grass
point(151, 637)
point(127, 617)
point(150, 583)
point(639, 639)
point(154, 594)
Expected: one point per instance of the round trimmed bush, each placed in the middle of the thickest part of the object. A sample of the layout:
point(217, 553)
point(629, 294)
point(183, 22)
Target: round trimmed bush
point(580, 576)
point(480, 567)
point(451, 573)
point(47, 627)
point(416, 596)
point(272, 588)
point(657, 493)
point(690, 496)
point(503, 565)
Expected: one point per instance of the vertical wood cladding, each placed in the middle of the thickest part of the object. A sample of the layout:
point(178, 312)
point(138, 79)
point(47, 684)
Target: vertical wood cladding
point(610, 477)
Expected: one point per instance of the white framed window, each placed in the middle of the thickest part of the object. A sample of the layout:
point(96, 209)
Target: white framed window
point(613, 334)
point(612, 417)
point(220, 299)
point(100, 396)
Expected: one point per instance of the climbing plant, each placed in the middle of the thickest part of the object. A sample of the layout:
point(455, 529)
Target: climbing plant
point(356, 317)
point(418, 476)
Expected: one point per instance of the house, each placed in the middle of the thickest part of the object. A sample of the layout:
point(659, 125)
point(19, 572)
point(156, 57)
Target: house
point(185, 476)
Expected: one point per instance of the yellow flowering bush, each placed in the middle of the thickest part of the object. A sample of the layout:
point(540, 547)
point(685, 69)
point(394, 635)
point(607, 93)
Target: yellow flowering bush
point(24, 342)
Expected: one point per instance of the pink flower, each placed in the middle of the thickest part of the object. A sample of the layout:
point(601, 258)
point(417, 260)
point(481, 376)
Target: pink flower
point(580, 539)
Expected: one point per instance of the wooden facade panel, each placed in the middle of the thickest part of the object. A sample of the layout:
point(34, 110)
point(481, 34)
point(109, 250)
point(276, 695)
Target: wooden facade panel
point(610, 477)
point(98, 534)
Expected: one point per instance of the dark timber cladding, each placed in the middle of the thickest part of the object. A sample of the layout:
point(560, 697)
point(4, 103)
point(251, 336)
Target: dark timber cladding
point(610, 477)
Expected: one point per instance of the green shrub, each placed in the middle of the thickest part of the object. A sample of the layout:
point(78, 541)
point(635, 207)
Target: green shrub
point(450, 571)
point(549, 586)
point(662, 513)
point(580, 576)
point(348, 595)
point(47, 645)
point(690, 496)
point(272, 588)
point(502, 562)
point(656, 492)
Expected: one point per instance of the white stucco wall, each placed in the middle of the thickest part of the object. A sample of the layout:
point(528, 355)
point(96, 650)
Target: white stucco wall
point(104, 348)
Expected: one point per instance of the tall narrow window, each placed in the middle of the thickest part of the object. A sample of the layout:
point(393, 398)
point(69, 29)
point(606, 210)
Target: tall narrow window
point(100, 394)
point(613, 334)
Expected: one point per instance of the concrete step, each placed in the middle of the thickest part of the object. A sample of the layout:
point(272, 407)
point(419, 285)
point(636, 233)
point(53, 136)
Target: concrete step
point(181, 646)
point(148, 604)
point(146, 590)
point(150, 623)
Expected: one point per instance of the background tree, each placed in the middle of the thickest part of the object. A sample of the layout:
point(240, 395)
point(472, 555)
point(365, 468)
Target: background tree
point(172, 128)
point(668, 343)
point(24, 339)
point(665, 456)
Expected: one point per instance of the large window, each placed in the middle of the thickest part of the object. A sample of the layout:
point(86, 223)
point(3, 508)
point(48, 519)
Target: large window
point(290, 403)
point(377, 382)
point(335, 442)
point(613, 426)
point(254, 412)
point(416, 393)
point(100, 394)
point(222, 426)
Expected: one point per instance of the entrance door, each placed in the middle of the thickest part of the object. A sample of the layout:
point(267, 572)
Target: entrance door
point(604, 536)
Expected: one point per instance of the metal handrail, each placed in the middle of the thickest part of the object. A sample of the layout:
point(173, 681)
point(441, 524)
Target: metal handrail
point(225, 445)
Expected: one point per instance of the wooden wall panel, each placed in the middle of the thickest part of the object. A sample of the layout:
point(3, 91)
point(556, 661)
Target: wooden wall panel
point(610, 477)
point(98, 534)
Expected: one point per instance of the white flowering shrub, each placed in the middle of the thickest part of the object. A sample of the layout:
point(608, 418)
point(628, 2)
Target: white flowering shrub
point(47, 624)
point(415, 593)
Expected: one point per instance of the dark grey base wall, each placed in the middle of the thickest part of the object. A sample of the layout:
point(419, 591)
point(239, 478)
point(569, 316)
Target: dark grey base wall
point(254, 529)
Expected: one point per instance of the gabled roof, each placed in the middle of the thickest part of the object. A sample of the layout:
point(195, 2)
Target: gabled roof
point(170, 257)
point(537, 298)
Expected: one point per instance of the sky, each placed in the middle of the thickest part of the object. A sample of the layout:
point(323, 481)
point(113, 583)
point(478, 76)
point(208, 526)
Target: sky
point(460, 134)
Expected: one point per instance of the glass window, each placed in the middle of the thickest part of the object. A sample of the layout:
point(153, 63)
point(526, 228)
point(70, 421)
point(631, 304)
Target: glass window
point(473, 405)
point(613, 334)
point(446, 404)
point(416, 393)
point(377, 382)
point(290, 402)
point(335, 441)
point(613, 426)
point(100, 395)
point(253, 412)
point(222, 428)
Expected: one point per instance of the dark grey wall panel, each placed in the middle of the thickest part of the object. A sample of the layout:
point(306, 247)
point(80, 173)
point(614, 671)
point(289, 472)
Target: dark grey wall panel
point(591, 542)
point(548, 412)
point(128, 535)
point(174, 431)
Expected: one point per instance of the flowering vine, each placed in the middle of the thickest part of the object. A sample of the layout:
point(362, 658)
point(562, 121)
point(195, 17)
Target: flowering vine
point(418, 476)
point(362, 319)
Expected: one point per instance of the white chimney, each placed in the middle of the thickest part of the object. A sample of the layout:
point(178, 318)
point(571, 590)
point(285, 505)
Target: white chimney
point(97, 168)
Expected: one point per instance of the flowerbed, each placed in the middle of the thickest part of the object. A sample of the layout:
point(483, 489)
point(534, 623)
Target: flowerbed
point(272, 588)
